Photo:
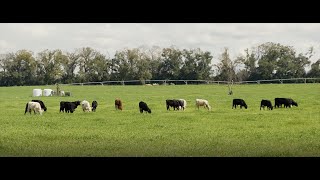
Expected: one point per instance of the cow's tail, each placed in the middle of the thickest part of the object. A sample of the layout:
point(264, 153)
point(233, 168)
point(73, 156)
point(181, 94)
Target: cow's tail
point(26, 108)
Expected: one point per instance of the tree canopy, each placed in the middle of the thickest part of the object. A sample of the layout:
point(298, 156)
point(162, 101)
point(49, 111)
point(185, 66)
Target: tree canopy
point(266, 61)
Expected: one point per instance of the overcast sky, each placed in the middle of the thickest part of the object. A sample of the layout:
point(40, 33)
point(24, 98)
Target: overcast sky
point(109, 37)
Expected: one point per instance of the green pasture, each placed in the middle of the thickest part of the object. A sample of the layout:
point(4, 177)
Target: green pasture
point(220, 132)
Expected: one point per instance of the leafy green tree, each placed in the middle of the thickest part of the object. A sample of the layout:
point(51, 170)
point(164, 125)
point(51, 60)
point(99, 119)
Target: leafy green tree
point(226, 68)
point(21, 68)
point(86, 56)
point(196, 64)
point(250, 66)
point(98, 68)
point(69, 64)
point(170, 63)
point(50, 66)
point(132, 64)
point(315, 70)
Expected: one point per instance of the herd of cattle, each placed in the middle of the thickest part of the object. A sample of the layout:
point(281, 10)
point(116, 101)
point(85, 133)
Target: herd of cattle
point(37, 106)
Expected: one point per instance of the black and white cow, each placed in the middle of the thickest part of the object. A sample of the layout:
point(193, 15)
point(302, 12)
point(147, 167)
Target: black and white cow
point(266, 103)
point(174, 103)
point(240, 102)
point(287, 102)
point(183, 103)
point(43, 107)
point(94, 106)
point(144, 107)
point(33, 106)
point(69, 106)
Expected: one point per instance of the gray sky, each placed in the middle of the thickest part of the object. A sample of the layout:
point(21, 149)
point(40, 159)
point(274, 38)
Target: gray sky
point(109, 37)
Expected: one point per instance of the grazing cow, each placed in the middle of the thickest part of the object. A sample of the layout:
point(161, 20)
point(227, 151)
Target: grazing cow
point(266, 103)
point(69, 106)
point(144, 107)
point(41, 104)
point(118, 104)
point(86, 106)
point(204, 103)
point(35, 106)
point(239, 102)
point(173, 103)
point(184, 104)
point(293, 102)
point(287, 102)
point(94, 106)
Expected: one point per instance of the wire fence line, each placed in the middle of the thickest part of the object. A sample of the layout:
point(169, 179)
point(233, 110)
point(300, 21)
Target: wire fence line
point(186, 82)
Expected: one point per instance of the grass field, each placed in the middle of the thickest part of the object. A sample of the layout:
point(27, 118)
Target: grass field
point(220, 132)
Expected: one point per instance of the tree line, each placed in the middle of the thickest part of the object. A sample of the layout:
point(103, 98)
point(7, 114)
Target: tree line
point(266, 61)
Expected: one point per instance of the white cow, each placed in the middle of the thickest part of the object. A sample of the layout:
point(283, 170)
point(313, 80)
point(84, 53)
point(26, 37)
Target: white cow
point(86, 106)
point(203, 102)
point(35, 106)
point(184, 104)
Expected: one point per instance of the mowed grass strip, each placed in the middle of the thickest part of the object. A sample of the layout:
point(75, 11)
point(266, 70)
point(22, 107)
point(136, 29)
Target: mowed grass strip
point(221, 132)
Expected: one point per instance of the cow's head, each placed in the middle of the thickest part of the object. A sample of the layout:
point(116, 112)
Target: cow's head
point(43, 106)
point(294, 103)
point(77, 103)
point(149, 110)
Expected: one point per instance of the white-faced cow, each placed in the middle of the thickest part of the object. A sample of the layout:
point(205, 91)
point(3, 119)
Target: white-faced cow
point(86, 106)
point(204, 103)
point(35, 107)
point(184, 104)
point(144, 107)
point(240, 102)
point(266, 103)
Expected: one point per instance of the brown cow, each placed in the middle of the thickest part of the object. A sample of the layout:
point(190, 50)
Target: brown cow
point(118, 104)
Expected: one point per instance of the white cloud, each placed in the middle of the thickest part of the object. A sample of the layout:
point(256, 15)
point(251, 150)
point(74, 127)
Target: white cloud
point(211, 37)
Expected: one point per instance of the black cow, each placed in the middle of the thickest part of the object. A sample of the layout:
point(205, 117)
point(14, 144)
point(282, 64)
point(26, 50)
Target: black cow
point(41, 104)
point(266, 103)
point(69, 106)
point(144, 107)
point(287, 102)
point(239, 102)
point(174, 103)
point(94, 106)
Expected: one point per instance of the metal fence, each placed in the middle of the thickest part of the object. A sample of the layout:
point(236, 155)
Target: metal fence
point(186, 82)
